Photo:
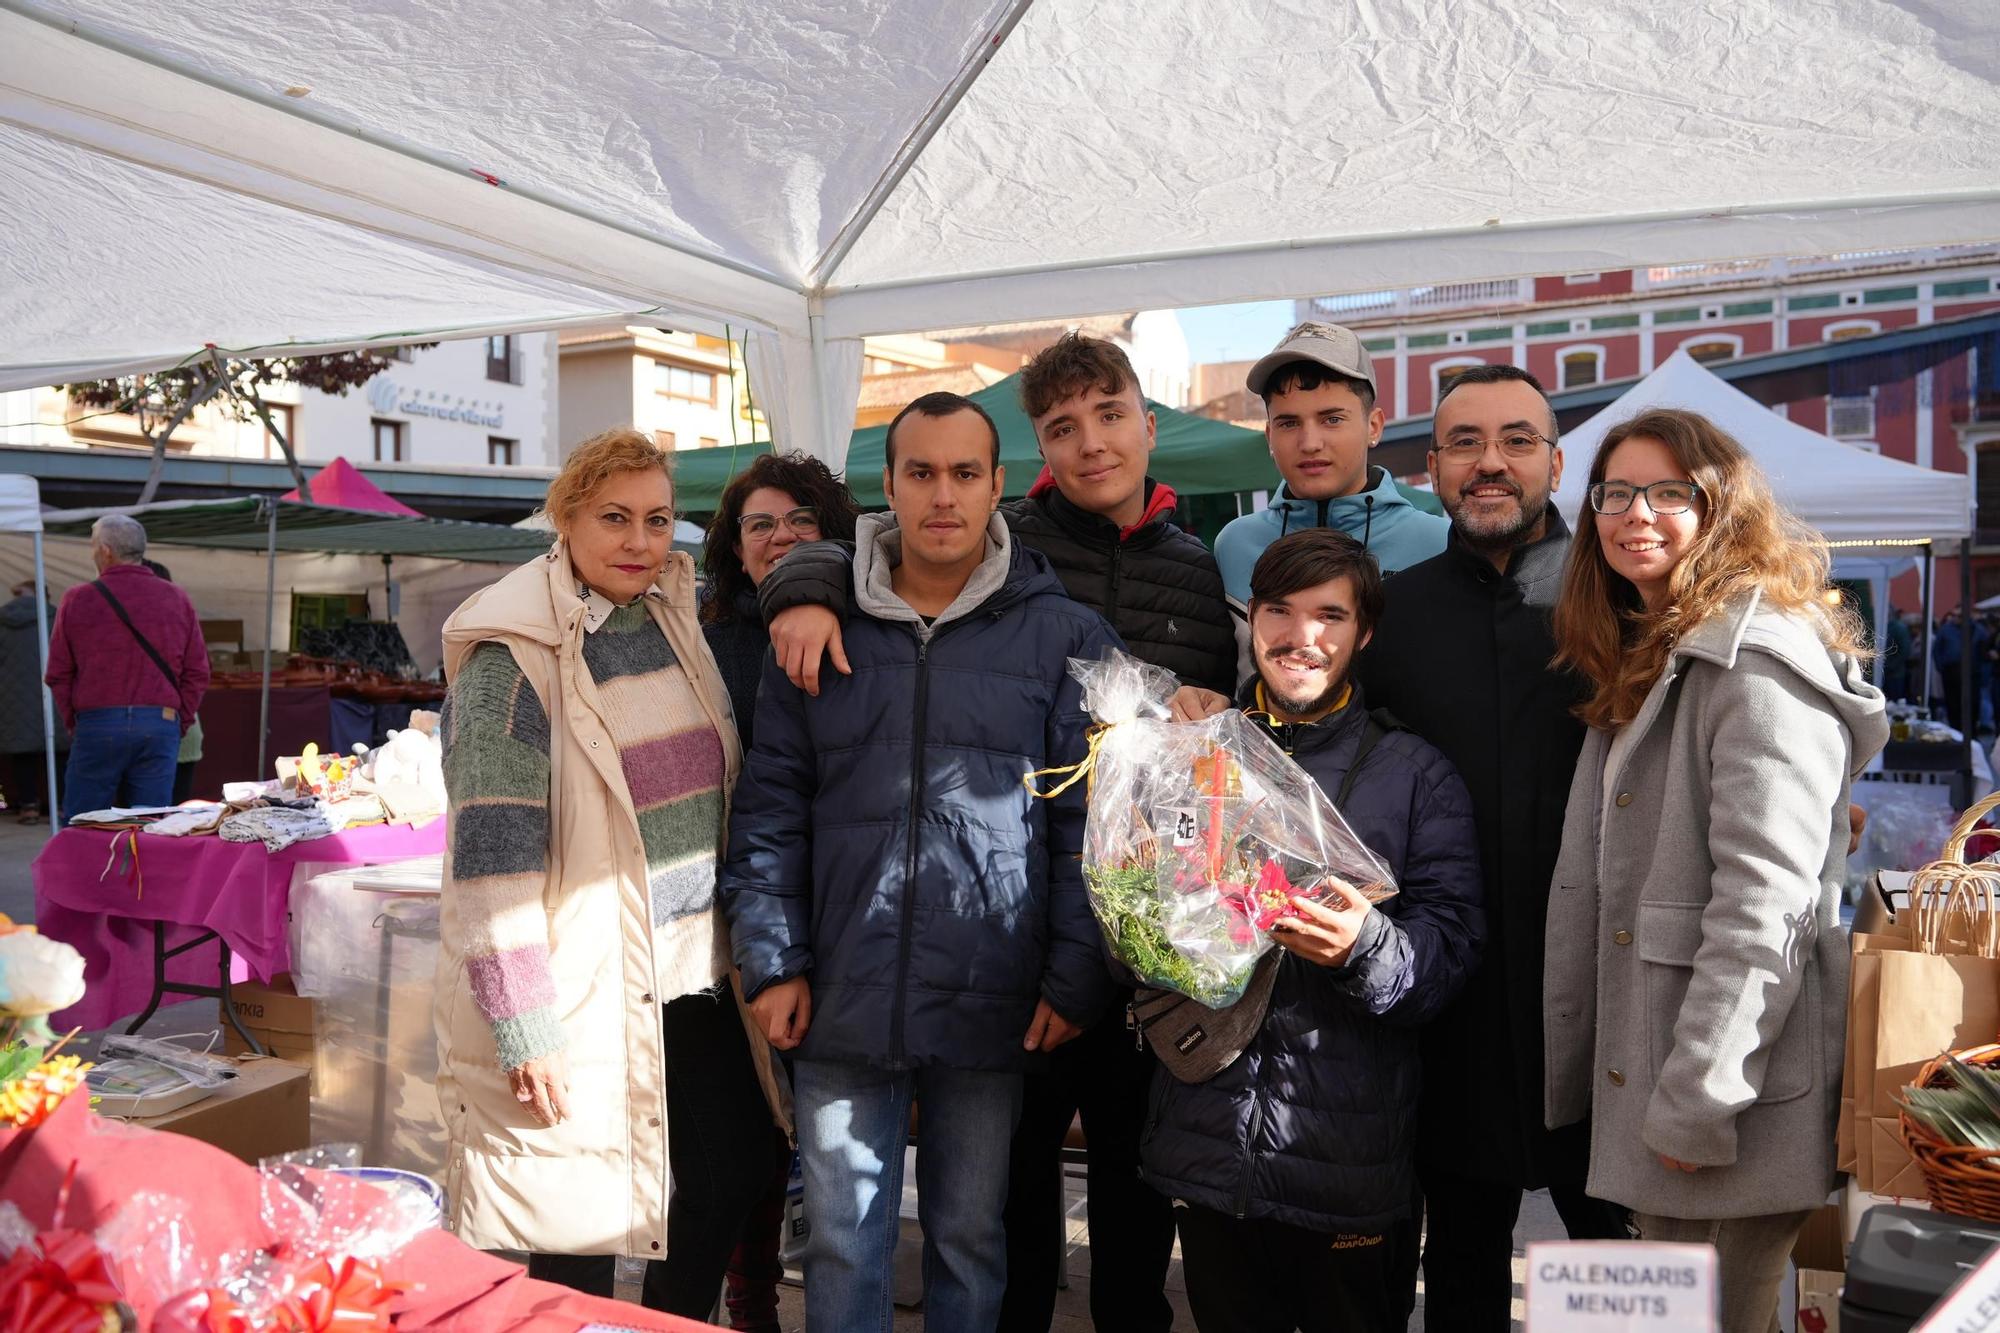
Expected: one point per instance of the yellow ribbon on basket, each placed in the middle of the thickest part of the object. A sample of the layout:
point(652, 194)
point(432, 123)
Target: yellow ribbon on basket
point(1083, 768)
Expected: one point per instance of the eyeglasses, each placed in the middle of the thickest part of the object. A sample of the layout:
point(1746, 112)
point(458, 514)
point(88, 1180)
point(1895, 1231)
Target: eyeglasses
point(1662, 497)
point(1515, 444)
point(758, 527)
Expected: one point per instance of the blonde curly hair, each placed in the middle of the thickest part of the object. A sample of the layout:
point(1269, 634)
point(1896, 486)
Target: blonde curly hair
point(596, 461)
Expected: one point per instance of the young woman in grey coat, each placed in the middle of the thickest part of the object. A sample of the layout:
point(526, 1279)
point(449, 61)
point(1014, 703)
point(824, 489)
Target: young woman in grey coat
point(1695, 1004)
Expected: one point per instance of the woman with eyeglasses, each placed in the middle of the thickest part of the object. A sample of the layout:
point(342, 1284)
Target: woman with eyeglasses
point(778, 502)
point(1696, 975)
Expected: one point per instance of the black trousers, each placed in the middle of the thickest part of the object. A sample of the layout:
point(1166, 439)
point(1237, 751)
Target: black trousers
point(1469, 1244)
point(1103, 1075)
point(28, 780)
point(719, 1147)
point(1260, 1276)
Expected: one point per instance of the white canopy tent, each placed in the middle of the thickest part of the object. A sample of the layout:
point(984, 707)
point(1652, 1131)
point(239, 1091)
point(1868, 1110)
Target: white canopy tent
point(1854, 497)
point(21, 512)
point(264, 176)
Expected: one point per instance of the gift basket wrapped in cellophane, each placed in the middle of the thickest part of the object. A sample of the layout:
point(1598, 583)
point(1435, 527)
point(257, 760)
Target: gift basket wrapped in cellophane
point(1201, 836)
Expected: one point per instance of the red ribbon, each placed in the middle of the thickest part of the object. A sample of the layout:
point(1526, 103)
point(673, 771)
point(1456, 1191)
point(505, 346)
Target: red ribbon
point(324, 1298)
point(62, 1289)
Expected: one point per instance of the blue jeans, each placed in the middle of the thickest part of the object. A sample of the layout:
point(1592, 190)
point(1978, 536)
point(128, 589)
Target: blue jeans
point(853, 1123)
point(122, 757)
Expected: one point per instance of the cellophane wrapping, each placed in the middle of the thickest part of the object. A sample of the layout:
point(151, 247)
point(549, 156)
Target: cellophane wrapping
point(1201, 836)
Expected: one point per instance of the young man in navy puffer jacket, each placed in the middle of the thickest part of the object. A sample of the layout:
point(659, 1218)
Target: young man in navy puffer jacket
point(1290, 1168)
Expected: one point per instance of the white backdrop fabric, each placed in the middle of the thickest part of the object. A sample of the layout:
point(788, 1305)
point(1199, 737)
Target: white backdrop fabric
point(20, 504)
point(1849, 494)
point(264, 175)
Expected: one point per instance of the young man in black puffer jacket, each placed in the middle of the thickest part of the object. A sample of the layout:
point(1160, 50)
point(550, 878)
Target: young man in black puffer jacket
point(1106, 528)
point(1290, 1168)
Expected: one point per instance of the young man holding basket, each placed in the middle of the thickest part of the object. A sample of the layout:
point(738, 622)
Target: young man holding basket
point(1290, 1166)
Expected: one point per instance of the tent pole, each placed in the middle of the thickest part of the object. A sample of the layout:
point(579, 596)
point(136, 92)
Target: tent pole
point(270, 636)
point(822, 430)
point(1930, 618)
point(1968, 673)
point(52, 807)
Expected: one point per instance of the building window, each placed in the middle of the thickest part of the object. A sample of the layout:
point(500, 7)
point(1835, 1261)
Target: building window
point(1444, 372)
point(389, 440)
point(502, 452)
point(1579, 279)
point(285, 417)
point(1718, 348)
point(1852, 416)
point(707, 442)
point(503, 359)
point(1582, 366)
point(697, 386)
point(663, 440)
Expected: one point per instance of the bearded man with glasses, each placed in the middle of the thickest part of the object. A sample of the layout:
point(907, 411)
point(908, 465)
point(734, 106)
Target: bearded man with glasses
point(1462, 659)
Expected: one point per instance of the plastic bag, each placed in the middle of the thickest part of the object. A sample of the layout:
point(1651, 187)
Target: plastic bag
point(1201, 836)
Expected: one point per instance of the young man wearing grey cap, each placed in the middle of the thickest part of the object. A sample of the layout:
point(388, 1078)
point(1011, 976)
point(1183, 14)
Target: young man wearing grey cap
point(1320, 421)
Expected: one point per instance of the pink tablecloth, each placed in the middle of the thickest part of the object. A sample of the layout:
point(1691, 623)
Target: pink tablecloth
point(236, 889)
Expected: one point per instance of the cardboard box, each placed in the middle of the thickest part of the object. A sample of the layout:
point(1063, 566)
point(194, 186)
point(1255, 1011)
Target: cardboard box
point(277, 1015)
point(1819, 1301)
point(263, 1111)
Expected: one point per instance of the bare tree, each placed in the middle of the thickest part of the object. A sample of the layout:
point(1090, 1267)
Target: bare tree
point(165, 399)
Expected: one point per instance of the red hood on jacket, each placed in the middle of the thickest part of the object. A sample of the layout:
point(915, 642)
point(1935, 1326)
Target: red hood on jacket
point(1163, 502)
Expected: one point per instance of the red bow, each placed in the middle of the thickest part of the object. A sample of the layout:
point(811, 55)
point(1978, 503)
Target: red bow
point(325, 1299)
point(60, 1284)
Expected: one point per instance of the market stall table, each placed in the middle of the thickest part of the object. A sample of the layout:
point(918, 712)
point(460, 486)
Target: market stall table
point(123, 909)
point(101, 1166)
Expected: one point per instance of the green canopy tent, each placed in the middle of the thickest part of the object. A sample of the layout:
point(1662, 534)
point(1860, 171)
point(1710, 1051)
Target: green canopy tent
point(253, 523)
point(1197, 456)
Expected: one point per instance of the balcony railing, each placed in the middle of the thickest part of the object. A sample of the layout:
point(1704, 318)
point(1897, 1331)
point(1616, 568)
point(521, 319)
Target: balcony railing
point(1425, 300)
point(1670, 276)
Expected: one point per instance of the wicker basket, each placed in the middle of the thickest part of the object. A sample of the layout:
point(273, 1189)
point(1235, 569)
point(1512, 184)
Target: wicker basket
point(1955, 908)
point(1960, 1180)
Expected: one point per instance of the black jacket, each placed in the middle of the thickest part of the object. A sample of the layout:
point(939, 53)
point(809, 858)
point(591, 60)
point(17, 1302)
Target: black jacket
point(1462, 658)
point(740, 644)
point(1158, 586)
point(882, 843)
point(1313, 1125)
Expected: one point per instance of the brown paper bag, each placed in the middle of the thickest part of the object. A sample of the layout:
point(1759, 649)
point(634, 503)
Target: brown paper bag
point(1915, 989)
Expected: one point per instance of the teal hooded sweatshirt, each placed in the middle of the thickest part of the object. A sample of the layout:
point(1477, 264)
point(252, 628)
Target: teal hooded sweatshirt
point(1381, 518)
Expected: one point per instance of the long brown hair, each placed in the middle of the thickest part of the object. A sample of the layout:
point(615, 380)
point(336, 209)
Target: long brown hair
point(1746, 542)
